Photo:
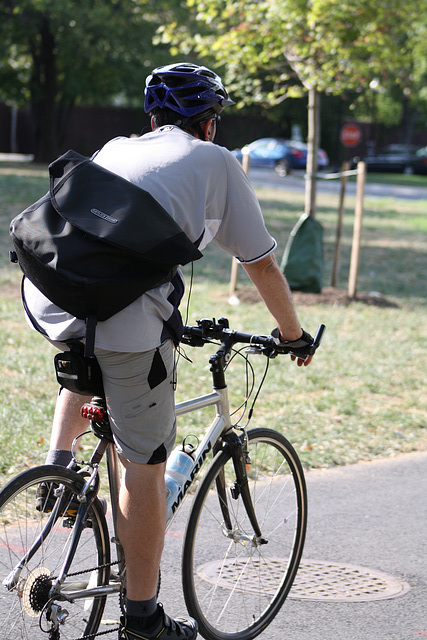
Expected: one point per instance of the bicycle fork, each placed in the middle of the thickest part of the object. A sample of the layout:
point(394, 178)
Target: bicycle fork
point(240, 457)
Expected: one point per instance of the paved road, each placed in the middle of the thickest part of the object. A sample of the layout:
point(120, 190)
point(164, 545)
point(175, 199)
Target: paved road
point(295, 182)
point(372, 515)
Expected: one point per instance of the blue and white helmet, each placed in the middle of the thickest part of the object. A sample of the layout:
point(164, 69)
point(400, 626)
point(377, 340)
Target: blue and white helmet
point(185, 88)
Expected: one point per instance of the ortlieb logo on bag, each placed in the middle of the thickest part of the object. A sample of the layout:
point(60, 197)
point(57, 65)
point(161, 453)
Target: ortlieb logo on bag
point(104, 216)
point(96, 242)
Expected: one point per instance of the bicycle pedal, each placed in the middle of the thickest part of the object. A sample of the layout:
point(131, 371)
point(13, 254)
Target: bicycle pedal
point(68, 523)
point(46, 500)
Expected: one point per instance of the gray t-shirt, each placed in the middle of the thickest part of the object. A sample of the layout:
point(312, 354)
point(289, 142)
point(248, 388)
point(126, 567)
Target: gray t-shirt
point(204, 188)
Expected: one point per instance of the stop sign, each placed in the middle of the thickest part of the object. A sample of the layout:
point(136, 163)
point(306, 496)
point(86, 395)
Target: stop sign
point(350, 135)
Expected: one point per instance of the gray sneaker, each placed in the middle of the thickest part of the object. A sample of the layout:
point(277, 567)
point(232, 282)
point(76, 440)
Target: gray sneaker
point(166, 629)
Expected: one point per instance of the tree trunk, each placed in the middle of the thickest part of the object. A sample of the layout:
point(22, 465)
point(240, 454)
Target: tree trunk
point(43, 94)
point(407, 123)
point(313, 149)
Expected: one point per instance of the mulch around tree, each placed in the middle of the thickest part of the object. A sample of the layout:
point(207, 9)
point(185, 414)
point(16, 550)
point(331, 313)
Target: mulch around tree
point(329, 296)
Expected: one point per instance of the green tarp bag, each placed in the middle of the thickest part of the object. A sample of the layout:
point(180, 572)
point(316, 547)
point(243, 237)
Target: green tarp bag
point(302, 261)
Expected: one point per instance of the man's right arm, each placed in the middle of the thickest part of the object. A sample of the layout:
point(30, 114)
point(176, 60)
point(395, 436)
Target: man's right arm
point(277, 296)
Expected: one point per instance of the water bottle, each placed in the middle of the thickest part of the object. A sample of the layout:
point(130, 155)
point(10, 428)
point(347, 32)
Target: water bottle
point(178, 467)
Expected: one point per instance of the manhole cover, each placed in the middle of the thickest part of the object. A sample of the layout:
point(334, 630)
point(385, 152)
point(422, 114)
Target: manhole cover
point(315, 580)
point(332, 581)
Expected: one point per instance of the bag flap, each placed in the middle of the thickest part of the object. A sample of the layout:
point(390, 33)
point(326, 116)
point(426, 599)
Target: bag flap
point(106, 206)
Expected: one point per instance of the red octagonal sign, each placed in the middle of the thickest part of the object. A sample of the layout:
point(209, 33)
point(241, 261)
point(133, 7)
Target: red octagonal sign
point(350, 135)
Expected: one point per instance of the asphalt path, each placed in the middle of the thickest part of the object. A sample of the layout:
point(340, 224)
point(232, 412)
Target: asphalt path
point(296, 182)
point(371, 515)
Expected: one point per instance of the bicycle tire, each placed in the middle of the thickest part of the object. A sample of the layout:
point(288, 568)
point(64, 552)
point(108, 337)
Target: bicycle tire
point(231, 587)
point(21, 605)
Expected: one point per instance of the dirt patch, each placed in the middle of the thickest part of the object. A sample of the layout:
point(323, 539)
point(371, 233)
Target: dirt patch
point(23, 169)
point(10, 291)
point(329, 296)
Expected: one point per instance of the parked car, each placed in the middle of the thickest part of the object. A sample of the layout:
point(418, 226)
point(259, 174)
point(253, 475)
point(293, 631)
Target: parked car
point(397, 158)
point(419, 164)
point(280, 154)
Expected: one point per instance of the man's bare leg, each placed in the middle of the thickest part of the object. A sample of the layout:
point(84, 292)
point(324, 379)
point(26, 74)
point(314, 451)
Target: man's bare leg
point(68, 422)
point(141, 526)
point(142, 513)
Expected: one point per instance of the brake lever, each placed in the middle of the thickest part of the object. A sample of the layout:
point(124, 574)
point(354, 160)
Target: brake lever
point(319, 335)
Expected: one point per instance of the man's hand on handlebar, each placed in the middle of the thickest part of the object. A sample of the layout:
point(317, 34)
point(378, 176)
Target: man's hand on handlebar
point(300, 350)
point(208, 331)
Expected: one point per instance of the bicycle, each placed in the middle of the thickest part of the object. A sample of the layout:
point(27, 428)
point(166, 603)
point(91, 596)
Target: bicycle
point(244, 535)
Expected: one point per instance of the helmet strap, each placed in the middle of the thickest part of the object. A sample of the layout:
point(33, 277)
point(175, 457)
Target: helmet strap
point(201, 131)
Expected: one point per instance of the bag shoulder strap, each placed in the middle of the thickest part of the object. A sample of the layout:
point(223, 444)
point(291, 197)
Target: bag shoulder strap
point(30, 316)
point(91, 321)
point(90, 336)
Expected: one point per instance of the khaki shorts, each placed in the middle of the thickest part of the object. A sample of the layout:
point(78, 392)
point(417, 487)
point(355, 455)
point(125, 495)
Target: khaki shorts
point(140, 394)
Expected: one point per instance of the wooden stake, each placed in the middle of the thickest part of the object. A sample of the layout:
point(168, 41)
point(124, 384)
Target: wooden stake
point(235, 264)
point(233, 277)
point(357, 230)
point(334, 276)
point(245, 163)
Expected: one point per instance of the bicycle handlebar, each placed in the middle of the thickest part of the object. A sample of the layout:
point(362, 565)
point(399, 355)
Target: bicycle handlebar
point(209, 330)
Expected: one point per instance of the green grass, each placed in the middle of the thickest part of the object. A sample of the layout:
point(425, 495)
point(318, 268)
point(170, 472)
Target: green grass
point(396, 179)
point(363, 397)
point(393, 253)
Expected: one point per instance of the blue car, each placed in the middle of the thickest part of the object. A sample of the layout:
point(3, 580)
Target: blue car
point(279, 154)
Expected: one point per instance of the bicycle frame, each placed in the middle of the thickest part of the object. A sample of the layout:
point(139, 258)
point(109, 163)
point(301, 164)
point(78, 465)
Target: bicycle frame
point(225, 443)
point(220, 425)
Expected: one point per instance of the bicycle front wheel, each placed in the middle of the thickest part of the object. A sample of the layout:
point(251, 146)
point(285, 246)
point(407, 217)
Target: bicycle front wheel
point(32, 549)
point(234, 583)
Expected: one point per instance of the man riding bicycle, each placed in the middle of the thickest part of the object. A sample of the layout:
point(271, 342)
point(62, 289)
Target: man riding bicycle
point(204, 188)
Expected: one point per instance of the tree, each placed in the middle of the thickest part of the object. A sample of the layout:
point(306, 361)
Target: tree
point(275, 49)
point(399, 96)
point(58, 53)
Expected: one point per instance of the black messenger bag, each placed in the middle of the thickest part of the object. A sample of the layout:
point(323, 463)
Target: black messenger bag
point(96, 242)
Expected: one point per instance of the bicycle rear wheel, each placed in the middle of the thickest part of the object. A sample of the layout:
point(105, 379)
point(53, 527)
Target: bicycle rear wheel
point(233, 585)
point(24, 599)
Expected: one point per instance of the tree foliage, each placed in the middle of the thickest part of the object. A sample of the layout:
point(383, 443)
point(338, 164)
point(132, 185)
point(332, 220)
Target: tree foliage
point(57, 53)
point(274, 49)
